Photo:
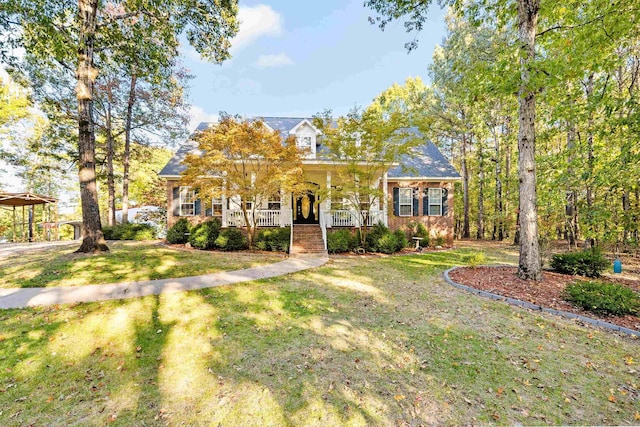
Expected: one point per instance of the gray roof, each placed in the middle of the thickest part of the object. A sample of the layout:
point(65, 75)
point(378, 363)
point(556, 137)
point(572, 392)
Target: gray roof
point(426, 161)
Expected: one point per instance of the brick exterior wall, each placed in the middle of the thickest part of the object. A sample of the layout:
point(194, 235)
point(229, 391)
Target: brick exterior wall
point(437, 225)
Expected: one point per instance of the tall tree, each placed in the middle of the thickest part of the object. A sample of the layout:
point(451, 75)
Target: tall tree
point(57, 38)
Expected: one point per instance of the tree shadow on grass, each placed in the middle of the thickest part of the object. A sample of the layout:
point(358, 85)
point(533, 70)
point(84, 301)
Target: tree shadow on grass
point(331, 346)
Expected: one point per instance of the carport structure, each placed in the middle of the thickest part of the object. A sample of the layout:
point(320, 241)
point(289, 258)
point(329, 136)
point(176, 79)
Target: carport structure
point(26, 217)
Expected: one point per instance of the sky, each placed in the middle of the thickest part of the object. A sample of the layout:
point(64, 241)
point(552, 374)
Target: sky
point(298, 58)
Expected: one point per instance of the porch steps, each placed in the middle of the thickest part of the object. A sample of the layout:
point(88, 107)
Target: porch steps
point(307, 241)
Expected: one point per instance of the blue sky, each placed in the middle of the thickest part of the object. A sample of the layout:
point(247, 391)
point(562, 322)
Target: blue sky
point(297, 58)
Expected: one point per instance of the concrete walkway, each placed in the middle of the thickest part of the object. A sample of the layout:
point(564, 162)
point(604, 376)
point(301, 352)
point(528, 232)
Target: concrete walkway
point(7, 249)
point(28, 297)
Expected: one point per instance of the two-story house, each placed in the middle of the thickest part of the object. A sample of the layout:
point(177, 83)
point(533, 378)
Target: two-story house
point(422, 191)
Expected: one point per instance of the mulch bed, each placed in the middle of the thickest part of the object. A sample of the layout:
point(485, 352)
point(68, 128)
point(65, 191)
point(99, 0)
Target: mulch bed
point(547, 293)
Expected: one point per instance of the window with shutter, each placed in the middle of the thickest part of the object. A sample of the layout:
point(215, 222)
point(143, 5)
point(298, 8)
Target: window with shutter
point(435, 201)
point(187, 201)
point(405, 201)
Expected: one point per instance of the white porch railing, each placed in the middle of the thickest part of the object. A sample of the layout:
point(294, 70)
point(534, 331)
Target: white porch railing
point(263, 218)
point(349, 218)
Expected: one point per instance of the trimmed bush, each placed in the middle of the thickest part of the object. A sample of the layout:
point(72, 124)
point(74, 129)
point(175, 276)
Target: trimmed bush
point(231, 239)
point(129, 231)
point(273, 239)
point(590, 263)
point(401, 239)
point(607, 298)
point(178, 233)
point(475, 259)
point(204, 235)
point(374, 235)
point(340, 241)
point(440, 241)
point(387, 244)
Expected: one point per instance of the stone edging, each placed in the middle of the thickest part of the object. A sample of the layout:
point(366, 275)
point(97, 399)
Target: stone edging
point(513, 301)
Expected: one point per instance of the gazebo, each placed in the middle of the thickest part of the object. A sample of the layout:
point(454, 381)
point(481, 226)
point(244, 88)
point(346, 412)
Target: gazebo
point(26, 217)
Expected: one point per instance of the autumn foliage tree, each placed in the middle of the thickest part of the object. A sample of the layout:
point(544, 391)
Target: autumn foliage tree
point(244, 159)
point(363, 146)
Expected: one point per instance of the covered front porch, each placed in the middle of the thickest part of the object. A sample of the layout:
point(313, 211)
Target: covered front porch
point(315, 207)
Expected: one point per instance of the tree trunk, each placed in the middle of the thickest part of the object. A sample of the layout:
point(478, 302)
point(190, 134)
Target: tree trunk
point(127, 151)
point(111, 204)
point(465, 190)
point(571, 214)
point(507, 178)
point(480, 219)
point(498, 224)
point(529, 264)
point(93, 240)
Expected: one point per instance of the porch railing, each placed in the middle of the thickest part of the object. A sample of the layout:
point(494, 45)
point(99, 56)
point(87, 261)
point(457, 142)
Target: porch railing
point(263, 218)
point(349, 218)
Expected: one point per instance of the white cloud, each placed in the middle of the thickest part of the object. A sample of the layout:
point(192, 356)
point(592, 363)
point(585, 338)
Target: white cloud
point(255, 22)
point(270, 61)
point(198, 115)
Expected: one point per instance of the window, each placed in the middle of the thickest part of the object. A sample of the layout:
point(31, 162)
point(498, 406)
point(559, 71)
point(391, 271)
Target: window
point(273, 204)
point(405, 201)
point(187, 201)
point(216, 206)
point(304, 141)
point(435, 201)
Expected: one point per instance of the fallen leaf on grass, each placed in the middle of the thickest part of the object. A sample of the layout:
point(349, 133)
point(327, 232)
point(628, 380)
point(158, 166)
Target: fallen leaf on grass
point(612, 399)
point(399, 397)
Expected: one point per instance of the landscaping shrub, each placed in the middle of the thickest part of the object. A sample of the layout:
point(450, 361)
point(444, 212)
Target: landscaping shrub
point(231, 239)
point(401, 240)
point(388, 243)
point(440, 241)
point(203, 236)
point(374, 235)
point(340, 241)
point(590, 263)
point(129, 231)
point(607, 298)
point(475, 259)
point(178, 233)
point(274, 239)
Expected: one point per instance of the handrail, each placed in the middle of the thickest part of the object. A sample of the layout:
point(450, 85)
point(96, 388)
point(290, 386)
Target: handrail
point(323, 227)
point(291, 232)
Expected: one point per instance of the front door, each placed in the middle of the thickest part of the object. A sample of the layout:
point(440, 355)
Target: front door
point(305, 209)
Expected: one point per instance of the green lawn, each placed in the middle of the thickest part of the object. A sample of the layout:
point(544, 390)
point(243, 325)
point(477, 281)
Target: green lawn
point(126, 261)
point(360, 341)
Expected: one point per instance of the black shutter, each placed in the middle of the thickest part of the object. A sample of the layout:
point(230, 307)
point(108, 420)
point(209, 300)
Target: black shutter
point(416, 202)
point(175, 203)
point(425, 201)
point(396, 201)
point(208, 212)
point(445, 201)
point(197, 207)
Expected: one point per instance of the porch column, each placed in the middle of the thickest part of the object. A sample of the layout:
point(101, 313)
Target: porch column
point(385, 202)
point(282, 210)
point(224, 203)
point(327, 208)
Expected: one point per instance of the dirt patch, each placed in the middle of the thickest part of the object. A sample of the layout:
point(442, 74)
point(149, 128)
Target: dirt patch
point(547, 293)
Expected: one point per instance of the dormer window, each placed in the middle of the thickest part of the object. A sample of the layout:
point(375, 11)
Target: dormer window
point(304, 142)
